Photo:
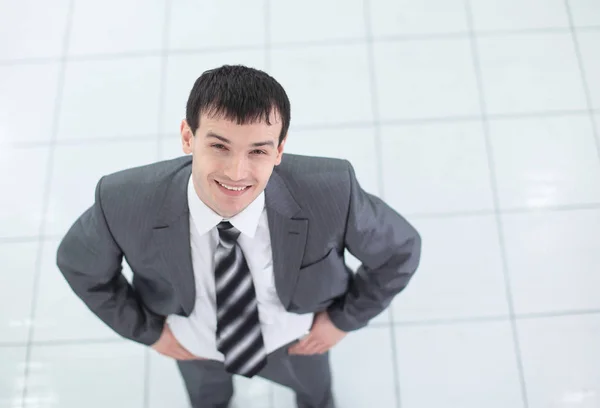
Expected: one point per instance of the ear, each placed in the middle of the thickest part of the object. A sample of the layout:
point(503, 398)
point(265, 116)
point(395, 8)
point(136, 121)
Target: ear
point(187, 137)
point(280, 149)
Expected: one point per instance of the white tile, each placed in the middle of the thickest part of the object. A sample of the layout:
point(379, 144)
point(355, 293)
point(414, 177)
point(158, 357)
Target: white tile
point(32, 29)
point(357, 145)
point(409, 17)
point(12, 376)
point(315, 20)
point(371, 385)
point(110, 98)
point(86, 375)
point(24, 119)
point(325, 84)
point(545, 161)
point(463, 365)
point(491, 15)
point(525, 73)
point(553, 260)
point(165, 384)
point(59, 313)
point(117, 26)
point(423, 79)
point(213, 23)
point(585, 13)
point(436, 168)
point(170, 147)
point(21, 202)
point(251, 393)
point(184, 70)
point(17, 290)
point(449, 282)
point(560, 361)
point(72, 192)
point(590, 55)
point(283, 397)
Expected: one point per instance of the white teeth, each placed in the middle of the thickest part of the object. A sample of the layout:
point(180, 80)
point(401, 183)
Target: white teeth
point(233, 188)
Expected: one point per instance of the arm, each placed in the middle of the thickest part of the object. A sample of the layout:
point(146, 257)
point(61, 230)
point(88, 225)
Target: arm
point(389, 249)
point(91, 262)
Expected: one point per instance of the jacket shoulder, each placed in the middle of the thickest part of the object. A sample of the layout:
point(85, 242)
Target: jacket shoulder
point(142, 185)
point(311, 178)
point(299, 167)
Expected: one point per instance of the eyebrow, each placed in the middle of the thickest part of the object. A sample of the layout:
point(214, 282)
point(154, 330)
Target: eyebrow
point(227, 141)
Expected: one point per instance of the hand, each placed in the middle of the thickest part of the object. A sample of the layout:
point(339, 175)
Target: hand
point(322, 337)
point(167, 345)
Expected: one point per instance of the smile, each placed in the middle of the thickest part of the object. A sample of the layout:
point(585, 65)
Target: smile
point(232, 190)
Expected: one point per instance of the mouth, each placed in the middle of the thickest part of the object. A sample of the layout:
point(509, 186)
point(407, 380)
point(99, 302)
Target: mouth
point(233, 191)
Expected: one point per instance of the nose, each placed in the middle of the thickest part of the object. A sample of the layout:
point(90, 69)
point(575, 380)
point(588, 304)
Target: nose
point(236, 169)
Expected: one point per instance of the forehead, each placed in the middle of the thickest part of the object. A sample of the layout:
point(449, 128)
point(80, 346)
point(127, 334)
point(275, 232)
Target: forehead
point(230, 129)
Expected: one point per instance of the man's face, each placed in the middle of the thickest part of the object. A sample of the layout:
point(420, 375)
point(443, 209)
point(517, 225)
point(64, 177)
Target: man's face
point(231, 163)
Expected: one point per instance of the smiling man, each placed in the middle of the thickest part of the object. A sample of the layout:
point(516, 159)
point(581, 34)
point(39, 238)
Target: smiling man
point(237, 250)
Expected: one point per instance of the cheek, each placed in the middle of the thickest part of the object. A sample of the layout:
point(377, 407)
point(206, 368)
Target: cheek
point(264, 174)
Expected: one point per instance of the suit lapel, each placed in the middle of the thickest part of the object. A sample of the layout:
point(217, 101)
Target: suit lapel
point(288, 236)
point(171, 235)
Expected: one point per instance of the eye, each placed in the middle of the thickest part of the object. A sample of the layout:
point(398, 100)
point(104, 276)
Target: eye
point(259, 152)
point(218, 146)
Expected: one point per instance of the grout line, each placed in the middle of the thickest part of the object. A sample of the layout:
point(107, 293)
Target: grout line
point(164, 64)
point(545, 315)
point(535, 115)
point(67, 342)
point(28, 239)
point(268, 64)
point(267, 4)
point(520, 31)
point(286, 45)
point(426, 322)
point(46, 197)
point(163, 79)
point(506, 211)
point(85, 141)
point(452, 321)
point(412, 216)
point(554, 208)
point(586, 29)
point(497, 318)
point(496, 199)
point(315, 127)
point(380, 184)
point(421, 216)
point(30, 61)
point(585, 83)
point(115, 56)
point(147, 368)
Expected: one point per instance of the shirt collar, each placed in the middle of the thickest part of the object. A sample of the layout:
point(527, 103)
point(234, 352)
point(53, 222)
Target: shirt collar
point(205, 218)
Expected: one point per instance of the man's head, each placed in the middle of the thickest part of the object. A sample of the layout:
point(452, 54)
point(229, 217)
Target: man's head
point(236, 126)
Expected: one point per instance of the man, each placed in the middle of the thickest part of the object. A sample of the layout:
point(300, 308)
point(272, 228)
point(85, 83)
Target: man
point(238, 251)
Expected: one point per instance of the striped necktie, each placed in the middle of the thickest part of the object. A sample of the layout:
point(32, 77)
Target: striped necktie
point(239, 336)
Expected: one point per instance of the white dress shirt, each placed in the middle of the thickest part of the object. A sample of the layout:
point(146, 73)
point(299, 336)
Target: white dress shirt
point(197, 333)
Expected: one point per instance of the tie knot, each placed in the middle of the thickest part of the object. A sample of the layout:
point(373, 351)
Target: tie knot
point(228, 232)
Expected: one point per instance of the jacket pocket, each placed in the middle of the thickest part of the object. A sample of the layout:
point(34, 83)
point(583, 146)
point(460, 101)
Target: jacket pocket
point(320, 283)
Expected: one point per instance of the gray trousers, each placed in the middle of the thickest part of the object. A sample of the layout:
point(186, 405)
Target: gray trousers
point(210, 386)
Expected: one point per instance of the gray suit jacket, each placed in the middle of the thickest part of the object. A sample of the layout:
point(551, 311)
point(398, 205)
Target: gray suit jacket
point(315, 208)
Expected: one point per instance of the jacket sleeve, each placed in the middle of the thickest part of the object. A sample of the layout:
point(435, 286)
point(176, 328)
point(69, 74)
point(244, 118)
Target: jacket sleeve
point(91, 262)
point(389, 249)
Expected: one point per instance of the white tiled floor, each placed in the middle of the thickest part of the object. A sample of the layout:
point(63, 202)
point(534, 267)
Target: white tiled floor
point(478, 120)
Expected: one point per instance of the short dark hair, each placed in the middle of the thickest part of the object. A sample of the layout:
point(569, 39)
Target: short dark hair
point(240, 94)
